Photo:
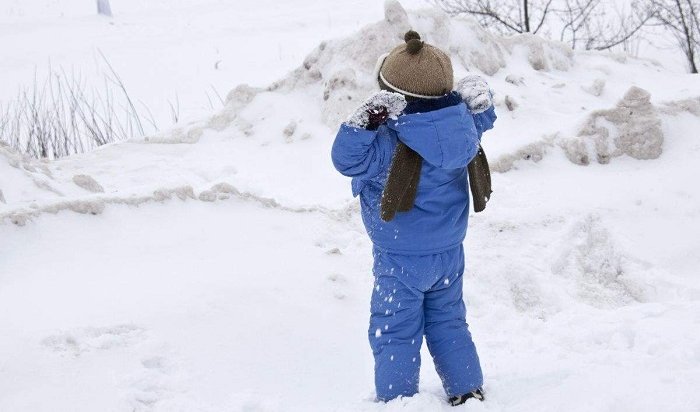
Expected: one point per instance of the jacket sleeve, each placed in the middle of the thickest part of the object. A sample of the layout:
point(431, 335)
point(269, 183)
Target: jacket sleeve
point(446, 138)
point(484, 121)
point(360, 153)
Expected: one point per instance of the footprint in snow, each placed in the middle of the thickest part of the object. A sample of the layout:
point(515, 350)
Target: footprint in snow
point(339, 285)
point(151, 384)
point(153, 377)
point(80, 341)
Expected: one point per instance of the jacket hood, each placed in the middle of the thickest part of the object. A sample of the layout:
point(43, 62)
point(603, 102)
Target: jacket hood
point(441, 131)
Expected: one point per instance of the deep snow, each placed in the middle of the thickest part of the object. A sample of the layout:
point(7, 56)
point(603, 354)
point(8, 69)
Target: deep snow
point(226, 267)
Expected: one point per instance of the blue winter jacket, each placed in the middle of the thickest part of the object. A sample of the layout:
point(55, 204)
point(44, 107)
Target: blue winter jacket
point(446, 135)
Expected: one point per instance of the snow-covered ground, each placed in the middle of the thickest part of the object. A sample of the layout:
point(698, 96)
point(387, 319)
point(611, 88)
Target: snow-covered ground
point(222, 265)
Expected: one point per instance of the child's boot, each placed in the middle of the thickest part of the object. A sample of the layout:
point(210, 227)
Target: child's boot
point(458, 400)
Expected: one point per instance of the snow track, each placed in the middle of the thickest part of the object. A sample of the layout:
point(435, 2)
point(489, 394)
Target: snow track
point(95, 205)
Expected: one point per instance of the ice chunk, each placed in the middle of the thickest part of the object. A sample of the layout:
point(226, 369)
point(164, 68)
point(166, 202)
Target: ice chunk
point(88, 183)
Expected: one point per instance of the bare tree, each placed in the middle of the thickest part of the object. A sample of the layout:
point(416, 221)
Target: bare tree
point(509, 16)
point(681, 18)
point(595, 25)
point(587, 24)
point(104, 8)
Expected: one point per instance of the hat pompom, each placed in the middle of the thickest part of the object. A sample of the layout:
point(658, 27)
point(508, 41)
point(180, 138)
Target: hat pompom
point(410, 35)
point(413, 42)
point(413, 46)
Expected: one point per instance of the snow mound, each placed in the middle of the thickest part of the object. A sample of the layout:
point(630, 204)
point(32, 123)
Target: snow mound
point(691, 106)
point(20, 175)
point(632, 128)
point(337, 75)
point(531, 152)
point(603, 276)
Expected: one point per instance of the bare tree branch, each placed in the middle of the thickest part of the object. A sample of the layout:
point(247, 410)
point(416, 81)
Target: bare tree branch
point(681, 18)
point(511, 16)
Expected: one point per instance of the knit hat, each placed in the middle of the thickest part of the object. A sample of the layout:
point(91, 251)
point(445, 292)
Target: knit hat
point(416, 69)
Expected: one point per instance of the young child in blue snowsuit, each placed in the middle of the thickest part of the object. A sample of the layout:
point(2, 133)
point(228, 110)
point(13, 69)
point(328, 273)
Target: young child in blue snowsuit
point(406, 149)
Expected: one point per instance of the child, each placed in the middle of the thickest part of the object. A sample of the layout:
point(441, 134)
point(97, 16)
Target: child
point(407, 148)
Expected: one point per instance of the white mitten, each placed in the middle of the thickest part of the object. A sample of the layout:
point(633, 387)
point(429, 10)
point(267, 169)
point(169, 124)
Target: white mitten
point(475, 92)
point(377, 109)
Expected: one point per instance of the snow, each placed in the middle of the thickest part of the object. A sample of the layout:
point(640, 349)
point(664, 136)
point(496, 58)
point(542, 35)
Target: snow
point(224, 265)
point(475, 92)
point(394, 103)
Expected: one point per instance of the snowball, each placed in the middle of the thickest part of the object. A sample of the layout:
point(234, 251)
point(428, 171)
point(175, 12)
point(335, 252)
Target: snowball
point(475, 92)
point(394, 103)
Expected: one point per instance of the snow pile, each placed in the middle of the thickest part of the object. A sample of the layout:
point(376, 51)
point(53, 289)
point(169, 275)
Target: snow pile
point(21, 176)
point(336, 77)
point(601, 272)
point(337, 74)
point(636, 131)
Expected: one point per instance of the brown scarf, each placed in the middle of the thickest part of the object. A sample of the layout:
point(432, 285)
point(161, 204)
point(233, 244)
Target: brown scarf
point(402, 184)
point(400, 190)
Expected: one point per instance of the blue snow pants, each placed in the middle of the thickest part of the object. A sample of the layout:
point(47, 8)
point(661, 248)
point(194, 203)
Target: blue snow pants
point(415, 296)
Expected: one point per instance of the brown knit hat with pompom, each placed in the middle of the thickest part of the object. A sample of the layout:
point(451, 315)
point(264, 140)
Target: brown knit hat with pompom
point(417, 69)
